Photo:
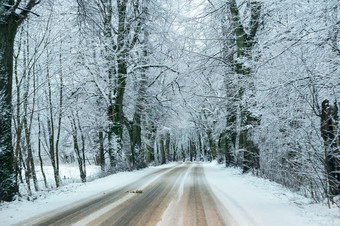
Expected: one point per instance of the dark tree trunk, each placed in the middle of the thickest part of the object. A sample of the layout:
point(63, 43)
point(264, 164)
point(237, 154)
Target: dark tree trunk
point(51, 134)
point(149, 146)
point(39, 152)
point(167, 147)
point(251, 154)
point(134, 131)
point(162, 149)
point(101, 151)
point(8, 185)
point(9, 23)
point(212, 146)
point(191, 150)
point(329, 133)
point(117, 108)
point(228, 151)
point(245, 41)
point(78, 148)
point(137, 139)
point(174, 151)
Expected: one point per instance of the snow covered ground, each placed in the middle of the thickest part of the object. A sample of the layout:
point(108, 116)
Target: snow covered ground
point(256, 201)
point(250, 200)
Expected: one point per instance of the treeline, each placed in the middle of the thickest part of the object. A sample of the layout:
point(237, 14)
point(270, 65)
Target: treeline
point(91, 83)
point(270, 90)
point(123, 84)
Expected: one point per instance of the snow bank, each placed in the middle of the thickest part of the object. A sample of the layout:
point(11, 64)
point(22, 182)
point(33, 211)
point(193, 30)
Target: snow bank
point(256, 201)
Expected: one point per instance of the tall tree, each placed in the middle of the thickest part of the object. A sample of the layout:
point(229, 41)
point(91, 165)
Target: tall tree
point(118, 23)
point(12, 14)
point(245, 40)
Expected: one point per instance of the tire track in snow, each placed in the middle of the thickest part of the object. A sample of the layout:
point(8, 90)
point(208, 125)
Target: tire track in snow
point(166, 218)
point(195, 203)
point(146, 208)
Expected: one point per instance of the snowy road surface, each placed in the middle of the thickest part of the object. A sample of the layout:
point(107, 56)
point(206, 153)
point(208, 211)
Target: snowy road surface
point(175, 194)
point(147, 202)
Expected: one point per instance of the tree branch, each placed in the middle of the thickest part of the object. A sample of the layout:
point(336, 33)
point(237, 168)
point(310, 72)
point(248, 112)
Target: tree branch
point(154, 66)
point(254, 20)
point(29, 6)
point(24, 11)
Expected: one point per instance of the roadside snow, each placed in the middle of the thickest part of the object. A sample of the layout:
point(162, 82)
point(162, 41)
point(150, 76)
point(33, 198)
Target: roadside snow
point(69, 173)
point(256, 201)
point(18, 211)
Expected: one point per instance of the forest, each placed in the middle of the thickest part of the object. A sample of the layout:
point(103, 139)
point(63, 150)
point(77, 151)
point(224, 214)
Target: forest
point(124, 84)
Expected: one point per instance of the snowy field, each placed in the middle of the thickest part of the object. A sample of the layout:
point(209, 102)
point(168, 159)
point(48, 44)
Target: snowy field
point(250, 200)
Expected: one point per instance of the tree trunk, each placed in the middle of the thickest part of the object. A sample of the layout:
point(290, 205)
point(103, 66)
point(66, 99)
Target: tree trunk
point(39, 152)
point(212, 146)
point(80, 151)
point(200, 147)
point(228, 152)
point(329, 133)
point(174, 151)
point(8, 185)
point(18, 122)
point(117, 107)
point(244, 43)
point(27, 122)
point(50, 124)
point(162, 149)
point(60, 113)
point(191, 150)
point(9, 23)
point(83, 173)
point(149, 146)
point(137, 138)
point(101, 150)
point(167, 147)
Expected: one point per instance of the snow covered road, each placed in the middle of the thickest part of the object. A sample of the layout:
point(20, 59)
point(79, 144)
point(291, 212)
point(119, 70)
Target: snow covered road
point(145, 201)
point(175, 194)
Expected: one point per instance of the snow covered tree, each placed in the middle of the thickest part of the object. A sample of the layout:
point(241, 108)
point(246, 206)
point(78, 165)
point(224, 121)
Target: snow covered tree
point(296, 65)
point(12, 14)
point(119, 25)
point(245, 36)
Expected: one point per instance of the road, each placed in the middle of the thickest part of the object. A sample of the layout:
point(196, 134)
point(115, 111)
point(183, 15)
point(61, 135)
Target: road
point(177, 195)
